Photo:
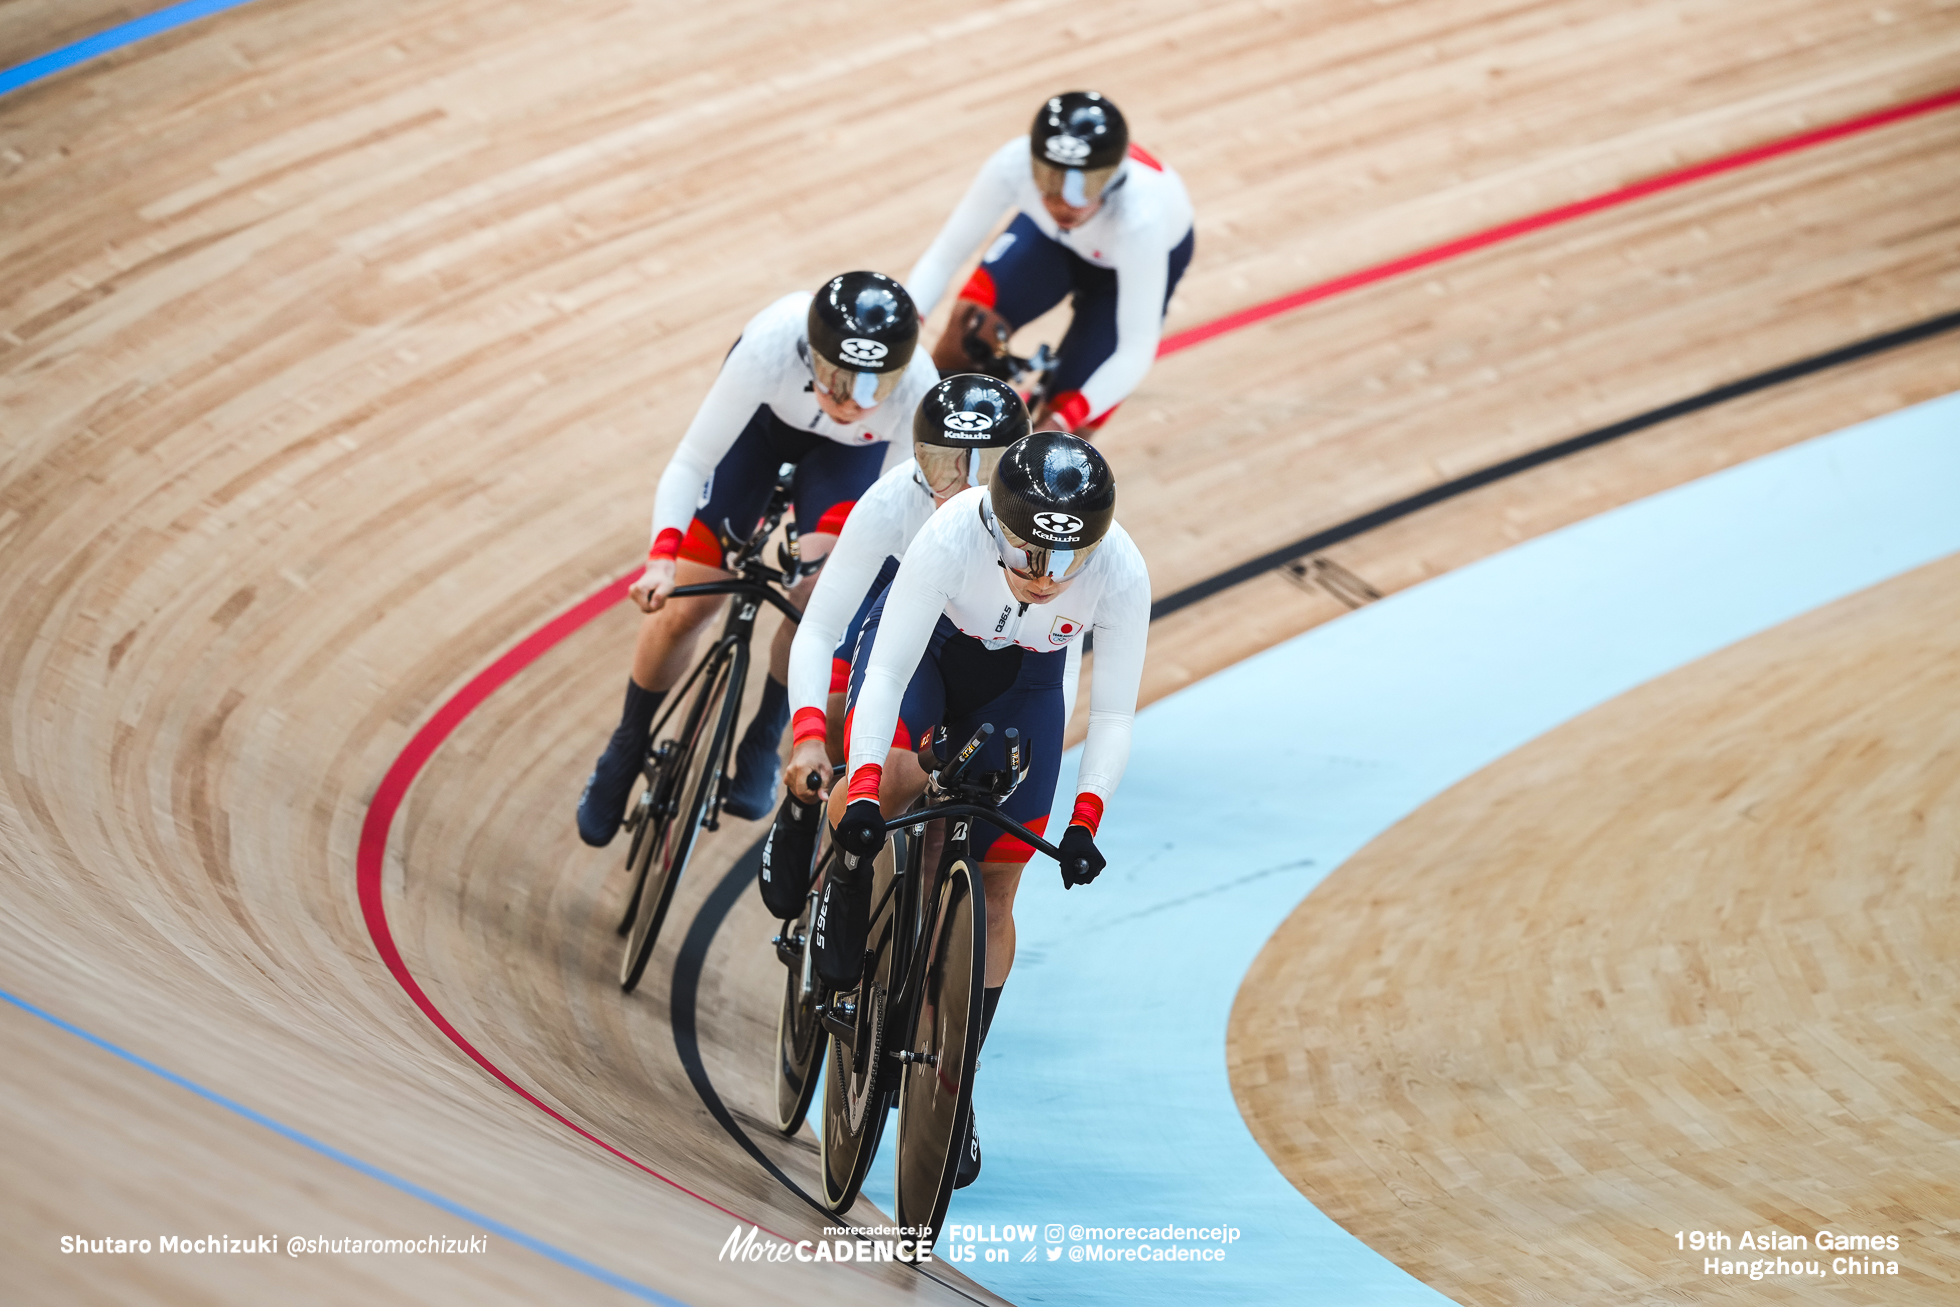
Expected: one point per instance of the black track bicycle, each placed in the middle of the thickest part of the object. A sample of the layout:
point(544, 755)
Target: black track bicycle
point(910, 1031)
point(685, 776)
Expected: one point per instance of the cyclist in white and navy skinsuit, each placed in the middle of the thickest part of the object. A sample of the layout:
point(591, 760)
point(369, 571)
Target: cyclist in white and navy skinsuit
point(1095, 218)
point(959, 433)
point(823, 382)
point(976, 627)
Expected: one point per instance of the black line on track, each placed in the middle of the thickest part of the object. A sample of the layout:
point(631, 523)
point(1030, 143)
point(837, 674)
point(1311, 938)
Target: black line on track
point(684, 998)
point(689, 965)
point(1510, 467)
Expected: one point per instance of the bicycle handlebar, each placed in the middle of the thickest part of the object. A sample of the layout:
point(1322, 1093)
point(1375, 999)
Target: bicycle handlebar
point(1020, 756)
point(992, 816)
point(740, 585)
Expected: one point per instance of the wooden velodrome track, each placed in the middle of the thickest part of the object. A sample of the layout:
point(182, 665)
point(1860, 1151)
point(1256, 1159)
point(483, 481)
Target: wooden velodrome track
point(340, 345)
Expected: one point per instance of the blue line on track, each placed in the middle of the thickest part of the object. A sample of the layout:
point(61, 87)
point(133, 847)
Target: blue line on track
point(90, 47)
point(496, 1227)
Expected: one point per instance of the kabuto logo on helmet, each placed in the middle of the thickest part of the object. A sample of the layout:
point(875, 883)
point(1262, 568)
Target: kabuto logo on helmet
point(966, 424)
point(1069, 151)
point(856, 349)
point(1058, 524)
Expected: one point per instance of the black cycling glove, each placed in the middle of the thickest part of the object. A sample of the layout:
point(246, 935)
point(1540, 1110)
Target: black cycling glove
point(785, 876)
point(863, 829)
point(1081, 863)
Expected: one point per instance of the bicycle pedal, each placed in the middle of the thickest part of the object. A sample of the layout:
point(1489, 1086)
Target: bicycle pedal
point(789, 948)
point(906, 1057)
point(839, 1017)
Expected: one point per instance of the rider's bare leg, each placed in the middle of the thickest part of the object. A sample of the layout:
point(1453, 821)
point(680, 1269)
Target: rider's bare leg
point(665, 644)
point(1002, 880)
point(950, 354)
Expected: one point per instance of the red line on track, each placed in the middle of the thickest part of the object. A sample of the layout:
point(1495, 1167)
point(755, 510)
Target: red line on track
point(1554, 217)
point(370, 859)
point(394, 785)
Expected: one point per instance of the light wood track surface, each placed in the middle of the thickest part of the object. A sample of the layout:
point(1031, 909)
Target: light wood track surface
point(1689, 962)
point(340, 345)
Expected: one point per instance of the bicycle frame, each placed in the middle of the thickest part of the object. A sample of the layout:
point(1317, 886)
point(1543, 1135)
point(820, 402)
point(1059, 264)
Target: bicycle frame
point(909, 883)
point(754, 584)
point(665, 795)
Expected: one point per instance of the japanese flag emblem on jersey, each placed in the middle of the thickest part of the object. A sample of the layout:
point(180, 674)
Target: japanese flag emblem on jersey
point(1064, 630)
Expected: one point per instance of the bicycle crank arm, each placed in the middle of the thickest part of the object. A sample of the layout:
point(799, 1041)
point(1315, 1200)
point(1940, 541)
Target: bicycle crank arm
point(839, 1017)
point(789, 948)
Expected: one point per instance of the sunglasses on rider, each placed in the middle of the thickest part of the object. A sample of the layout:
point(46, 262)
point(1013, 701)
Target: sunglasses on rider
point(948, 471)
point(865, 389)
point(1078, 187)
point(1032, 562)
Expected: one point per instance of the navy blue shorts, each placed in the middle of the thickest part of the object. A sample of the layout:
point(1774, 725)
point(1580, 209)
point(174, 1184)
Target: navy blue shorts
point(829, 479)
point(961, 683)
point(1032, 274)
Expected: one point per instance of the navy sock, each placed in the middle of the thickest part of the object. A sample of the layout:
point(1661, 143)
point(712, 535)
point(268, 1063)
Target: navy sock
point(771, 716)
point(636, 716)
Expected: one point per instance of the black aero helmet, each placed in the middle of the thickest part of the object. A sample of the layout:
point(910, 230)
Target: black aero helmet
point(1054, 499)
point(1079, 130)
point(960, 429)
point(864, 322)
point(970, 411)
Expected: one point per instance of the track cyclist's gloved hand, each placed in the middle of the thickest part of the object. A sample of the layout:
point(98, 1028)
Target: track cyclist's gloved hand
point(863, 829)
point(1081, 863)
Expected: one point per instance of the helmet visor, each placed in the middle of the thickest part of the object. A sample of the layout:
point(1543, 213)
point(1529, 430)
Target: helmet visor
point(1032, 562)
point(1076, 187)
point(948, 471)
point(865, 389)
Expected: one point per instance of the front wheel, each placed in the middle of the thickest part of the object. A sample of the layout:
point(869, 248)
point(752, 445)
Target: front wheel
point(935, 1091)
point(800, 1036)
point(646, 817)
point(856, 1085)
point(706, 726)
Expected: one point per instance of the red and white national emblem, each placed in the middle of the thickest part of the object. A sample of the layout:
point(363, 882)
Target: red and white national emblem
point(1064, 630)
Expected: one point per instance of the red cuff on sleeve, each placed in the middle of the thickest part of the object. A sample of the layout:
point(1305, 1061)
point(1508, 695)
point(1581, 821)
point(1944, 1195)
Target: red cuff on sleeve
point(1070, 409)
point(1088, 812)
point(864, 785)
point(666, 545)
point(833, 519)
point(980, 288)
point(808, 724)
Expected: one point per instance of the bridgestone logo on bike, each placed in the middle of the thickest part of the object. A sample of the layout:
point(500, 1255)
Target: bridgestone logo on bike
point(758, 1247)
